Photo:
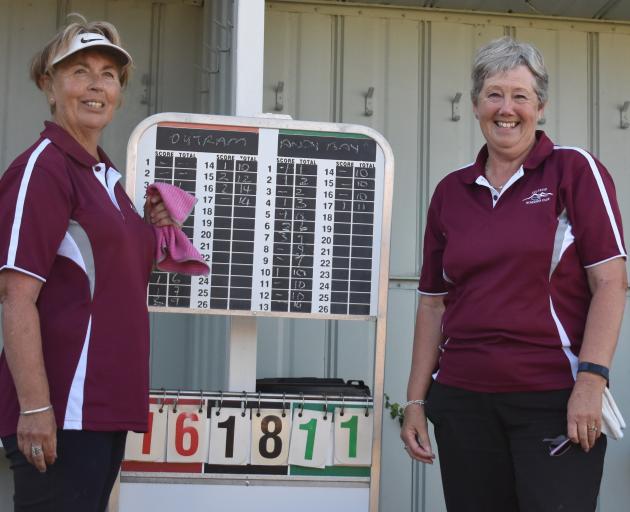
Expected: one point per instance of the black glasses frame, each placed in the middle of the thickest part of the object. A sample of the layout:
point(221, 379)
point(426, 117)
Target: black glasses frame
point(558, 445)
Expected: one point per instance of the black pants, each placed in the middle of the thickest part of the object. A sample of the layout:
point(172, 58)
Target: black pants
point(79, 481)
point(493, 458)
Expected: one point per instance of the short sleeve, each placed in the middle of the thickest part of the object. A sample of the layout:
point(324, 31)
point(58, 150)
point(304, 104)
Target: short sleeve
point(431, 277)
point(592, 208)
point(35, 208)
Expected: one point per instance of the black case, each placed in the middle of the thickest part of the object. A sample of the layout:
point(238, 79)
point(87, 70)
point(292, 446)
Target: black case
point(312, 386)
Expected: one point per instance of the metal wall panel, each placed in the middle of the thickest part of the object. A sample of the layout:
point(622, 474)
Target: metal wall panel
point(29, 25)
point(298, 52)
point(566, 57)
point(614, 142)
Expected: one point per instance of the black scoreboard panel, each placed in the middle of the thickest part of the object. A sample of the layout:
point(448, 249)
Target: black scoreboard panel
point(289, 221)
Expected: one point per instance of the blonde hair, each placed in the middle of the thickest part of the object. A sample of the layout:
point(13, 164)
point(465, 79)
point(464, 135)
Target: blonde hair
point(41, 65)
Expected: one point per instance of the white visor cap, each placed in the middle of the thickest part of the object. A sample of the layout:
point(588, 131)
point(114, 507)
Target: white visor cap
point(87, 40)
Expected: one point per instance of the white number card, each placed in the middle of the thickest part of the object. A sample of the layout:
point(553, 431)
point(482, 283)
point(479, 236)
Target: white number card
point(311, 438)
point(230, 433)
point(270, 437)
point(187, 439)
point(150, 446)
point(353, 438)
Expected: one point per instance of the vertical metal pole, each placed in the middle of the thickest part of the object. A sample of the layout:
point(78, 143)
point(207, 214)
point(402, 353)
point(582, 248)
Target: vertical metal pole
point(248, 53)
point(242, 354)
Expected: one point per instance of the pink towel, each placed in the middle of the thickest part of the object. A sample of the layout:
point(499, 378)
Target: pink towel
point(174, 251)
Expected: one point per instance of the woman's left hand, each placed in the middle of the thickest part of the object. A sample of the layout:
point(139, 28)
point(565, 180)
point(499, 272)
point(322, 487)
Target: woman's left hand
point(584, 410)
point(156, 213)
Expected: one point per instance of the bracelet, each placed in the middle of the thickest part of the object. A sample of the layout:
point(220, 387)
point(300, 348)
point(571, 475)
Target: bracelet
point(36, 411)
point(412, 402)
point(597, 369)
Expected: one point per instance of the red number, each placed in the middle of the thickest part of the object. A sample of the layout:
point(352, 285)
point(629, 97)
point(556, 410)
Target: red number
point(181, 431)
point(146, 438)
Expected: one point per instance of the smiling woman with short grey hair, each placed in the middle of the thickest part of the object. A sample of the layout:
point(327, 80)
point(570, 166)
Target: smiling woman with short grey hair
point(522, 293)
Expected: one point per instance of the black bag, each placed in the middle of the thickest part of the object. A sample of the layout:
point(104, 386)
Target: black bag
point(312, 386)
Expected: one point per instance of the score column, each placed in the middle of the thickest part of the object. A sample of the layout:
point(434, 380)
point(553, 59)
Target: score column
point(262, 275)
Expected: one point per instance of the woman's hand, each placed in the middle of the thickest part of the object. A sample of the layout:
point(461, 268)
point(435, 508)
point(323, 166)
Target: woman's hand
point(37, 438)
point(155, 211)
point(415, 434)
point(584, 410)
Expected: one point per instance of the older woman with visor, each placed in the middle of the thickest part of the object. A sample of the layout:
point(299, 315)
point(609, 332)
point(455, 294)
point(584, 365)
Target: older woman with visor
point(522, 293)
point(75, 260)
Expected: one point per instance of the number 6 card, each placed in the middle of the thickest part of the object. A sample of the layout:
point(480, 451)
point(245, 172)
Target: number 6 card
point(187, 434)
point(311, 438)
point(270, 437)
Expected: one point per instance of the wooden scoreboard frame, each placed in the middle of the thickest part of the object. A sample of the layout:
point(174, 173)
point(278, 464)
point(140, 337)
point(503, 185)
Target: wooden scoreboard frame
point(359, 157)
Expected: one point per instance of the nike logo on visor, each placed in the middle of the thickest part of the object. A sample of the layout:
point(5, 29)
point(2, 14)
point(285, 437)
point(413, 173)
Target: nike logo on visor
point(83, 40)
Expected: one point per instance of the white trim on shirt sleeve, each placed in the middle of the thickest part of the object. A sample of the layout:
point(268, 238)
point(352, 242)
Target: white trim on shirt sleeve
point(23, 271)
point(602, 190)
point(607, 259)
point(420, 292)
point(19, 206)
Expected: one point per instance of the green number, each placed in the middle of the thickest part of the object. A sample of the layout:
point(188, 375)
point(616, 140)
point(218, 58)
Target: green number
point(310, 427)
point(352, 424)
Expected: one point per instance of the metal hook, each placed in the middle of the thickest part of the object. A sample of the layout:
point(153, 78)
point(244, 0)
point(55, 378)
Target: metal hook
point(369, 110)
point(220, 404)
point(455, 107)
point(243, 404)
point(367, 408)
point(325, 406)
point(161, 409)
point(624, 122)
point(279, 90)
point(200, 401)
point(343, 405)
point(302, 406)
point(176, 400)
point(284, 414)
point(258, 412)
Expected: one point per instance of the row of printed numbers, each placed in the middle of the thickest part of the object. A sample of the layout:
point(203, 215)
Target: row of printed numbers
point(273, 437)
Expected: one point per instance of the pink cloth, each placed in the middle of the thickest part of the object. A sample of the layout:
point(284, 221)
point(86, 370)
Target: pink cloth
point(174, 251)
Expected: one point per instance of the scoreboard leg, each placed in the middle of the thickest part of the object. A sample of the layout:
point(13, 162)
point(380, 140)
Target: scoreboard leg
point(242, 354)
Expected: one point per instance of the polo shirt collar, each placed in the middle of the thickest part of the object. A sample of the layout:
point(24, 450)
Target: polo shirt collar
point(69, 145)
point(541, 150)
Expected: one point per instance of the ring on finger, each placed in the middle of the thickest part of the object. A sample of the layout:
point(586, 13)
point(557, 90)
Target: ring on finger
point(592, 428)
point(36, 450)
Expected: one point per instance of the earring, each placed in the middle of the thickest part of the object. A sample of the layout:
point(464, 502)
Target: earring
point(51, 100)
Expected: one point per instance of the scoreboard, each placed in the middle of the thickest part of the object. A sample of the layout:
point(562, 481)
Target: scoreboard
point(289, 220)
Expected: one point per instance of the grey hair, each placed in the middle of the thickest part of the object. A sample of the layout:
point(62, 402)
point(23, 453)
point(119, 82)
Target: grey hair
point(505, 54)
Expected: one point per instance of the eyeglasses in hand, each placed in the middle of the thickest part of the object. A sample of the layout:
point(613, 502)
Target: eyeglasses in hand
point(558, 445)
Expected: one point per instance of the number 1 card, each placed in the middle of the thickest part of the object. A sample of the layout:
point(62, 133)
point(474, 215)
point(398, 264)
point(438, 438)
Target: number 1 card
point(311, 438)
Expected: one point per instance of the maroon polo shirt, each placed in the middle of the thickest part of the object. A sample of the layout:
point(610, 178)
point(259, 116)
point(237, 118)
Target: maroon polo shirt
point(65, 220)
point(512, 267)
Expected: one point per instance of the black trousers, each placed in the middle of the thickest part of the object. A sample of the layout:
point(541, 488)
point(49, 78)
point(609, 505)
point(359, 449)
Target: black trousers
point(493, 458)
point(80, 480)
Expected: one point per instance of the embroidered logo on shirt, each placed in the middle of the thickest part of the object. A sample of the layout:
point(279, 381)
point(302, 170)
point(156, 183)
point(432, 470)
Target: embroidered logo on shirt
point(538, 196)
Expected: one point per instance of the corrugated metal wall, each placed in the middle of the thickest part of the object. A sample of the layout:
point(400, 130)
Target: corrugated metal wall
point(328, 56)
point(417, 61)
